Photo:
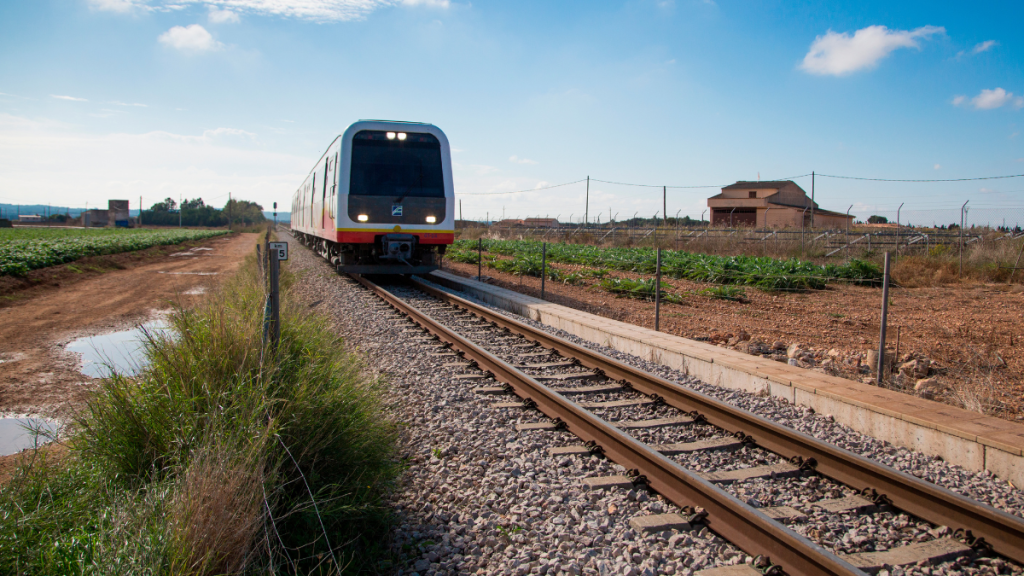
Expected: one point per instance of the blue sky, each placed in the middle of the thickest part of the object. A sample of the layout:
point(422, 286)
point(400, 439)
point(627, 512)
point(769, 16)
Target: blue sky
point(121, 98)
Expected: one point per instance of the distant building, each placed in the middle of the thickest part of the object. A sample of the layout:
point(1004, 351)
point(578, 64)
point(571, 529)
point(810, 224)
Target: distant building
point(541, 222)
point(118, 213)
point(774, 204)
point(509, 222)
point(95, 218)
point(30, 218)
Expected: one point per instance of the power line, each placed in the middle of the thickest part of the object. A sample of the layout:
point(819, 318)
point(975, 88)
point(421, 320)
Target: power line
point(519, 191)
point(687, 187)
point(947, 180)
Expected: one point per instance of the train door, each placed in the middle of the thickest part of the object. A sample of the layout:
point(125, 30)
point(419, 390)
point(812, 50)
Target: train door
point(323, 195)
point(312, 199)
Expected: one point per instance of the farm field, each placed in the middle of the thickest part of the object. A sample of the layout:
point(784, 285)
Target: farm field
point(968, 335)
point(39, 376)
point(26, 249)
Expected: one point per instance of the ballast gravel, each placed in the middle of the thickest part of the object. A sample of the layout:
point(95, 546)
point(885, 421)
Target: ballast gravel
point(480, 497)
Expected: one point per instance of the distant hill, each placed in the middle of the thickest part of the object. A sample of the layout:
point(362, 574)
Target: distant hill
point(281, 216)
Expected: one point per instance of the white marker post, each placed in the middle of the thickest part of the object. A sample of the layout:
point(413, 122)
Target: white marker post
point(278, 252)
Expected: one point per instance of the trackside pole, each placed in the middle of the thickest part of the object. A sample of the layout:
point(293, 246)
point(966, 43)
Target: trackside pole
point(885, 317)
point(657, 293)
point(543, 267)
point(479, 258)
point(278, 252)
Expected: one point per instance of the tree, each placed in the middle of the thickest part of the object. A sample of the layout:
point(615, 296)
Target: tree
point(166, 206)
point(192, 204)
point(878, 220)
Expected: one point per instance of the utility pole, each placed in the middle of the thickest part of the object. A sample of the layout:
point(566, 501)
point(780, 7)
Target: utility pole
point(812, 200)
point(885, 319)
point(586, 208)
point(140, 211)
point(229, 210)
point(179, 210)
point(664, 210)
point(460, 213)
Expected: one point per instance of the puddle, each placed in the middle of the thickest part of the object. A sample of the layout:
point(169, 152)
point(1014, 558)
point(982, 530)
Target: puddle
point(121, 351)
point(195, 291)
point(14, 437)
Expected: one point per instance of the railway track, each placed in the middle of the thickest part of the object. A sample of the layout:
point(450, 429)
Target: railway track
point(593, 396)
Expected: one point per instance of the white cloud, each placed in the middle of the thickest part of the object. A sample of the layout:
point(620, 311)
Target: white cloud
point(135, 104)
point(40, 158)
point(519, 160)
point(218, 16)
point(315, 10)
point(984, 46)
point(991, 99)
point(838, 54)
point(115, 5)
point(938, 166)
point(191, 38)
point(71, 98)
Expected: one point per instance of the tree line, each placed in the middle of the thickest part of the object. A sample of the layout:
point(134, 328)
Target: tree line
point(198, 213)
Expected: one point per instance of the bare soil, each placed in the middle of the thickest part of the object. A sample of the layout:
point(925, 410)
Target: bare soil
point(42, 315)
point(970, 333)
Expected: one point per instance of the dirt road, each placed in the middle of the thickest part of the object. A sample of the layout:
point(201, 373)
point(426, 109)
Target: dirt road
point(37, 375)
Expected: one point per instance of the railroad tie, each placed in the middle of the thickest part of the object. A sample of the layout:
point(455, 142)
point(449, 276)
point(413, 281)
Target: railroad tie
point(565, 376)
point(854, 504)
point(599, 389)
point(782, 513)
point(490, 390)
point(619, 403)
point(568, 450)
point(455, 364)
point(734, 570)
point(608, 482)
point(547, 364)
point(655, 423)
point(659, 523)
point(723, 443)
point(938, 550)
point(782, 469)
point(537, 426)
point(507, 405)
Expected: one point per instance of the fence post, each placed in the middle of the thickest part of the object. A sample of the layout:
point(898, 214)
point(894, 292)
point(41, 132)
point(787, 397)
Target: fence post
point(479, 258)
point(543, 267)
point(885, 318)
point(961, 273)
point(275, 299)
point(657, 293)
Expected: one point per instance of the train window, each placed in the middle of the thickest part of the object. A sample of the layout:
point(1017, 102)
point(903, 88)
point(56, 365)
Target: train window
point(399, 168)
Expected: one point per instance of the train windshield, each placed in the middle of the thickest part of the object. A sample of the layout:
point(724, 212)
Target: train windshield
point(396, 164)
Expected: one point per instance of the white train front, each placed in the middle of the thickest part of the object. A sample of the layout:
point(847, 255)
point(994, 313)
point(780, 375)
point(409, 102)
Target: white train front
point(380, 200)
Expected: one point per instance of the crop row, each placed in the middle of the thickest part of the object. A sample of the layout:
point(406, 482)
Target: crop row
point(21, 252)
point(759, 272)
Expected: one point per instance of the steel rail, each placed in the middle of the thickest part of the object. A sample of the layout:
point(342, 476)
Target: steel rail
point(744, 526)
point(937, 505)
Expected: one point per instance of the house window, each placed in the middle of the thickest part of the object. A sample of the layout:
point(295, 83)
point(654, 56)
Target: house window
point(753, 194)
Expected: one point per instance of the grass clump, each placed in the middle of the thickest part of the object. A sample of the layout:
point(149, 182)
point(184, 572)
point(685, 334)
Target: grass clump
point(732, 293)
point(220, 457)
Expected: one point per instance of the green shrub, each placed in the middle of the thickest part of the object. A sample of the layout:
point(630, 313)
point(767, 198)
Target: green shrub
point(219, 457)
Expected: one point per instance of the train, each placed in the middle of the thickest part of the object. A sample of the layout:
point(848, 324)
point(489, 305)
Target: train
point(380, 200)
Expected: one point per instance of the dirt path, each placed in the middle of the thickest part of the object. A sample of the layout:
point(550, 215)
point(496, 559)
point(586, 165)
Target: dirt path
point(972, 332)
point(37, 375)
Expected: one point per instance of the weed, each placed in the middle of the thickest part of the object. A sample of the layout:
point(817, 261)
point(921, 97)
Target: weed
point(639, 289)
point(725, 293)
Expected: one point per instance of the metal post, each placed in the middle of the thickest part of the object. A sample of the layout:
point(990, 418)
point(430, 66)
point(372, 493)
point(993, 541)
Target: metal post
point(664, 210)
point(586, 209)
point(543, 267)
point(885, 318)
point(479, 258)
point(140, 211)
point(803, 216)
point(461, 219)
point(275, 299)
point(812, 200)
point(961, 273)
point(179, 210)
point(730, 217)
point(848, 231)
point(898, 231)
point(657, 293)
point(1015, 264)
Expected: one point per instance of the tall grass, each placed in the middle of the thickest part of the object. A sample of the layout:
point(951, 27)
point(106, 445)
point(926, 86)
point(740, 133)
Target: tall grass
point(219, 458)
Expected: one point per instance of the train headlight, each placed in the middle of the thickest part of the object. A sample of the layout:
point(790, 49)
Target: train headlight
point(431, 219)
point(363, 217)
point(391, 135)
point(401, 135)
